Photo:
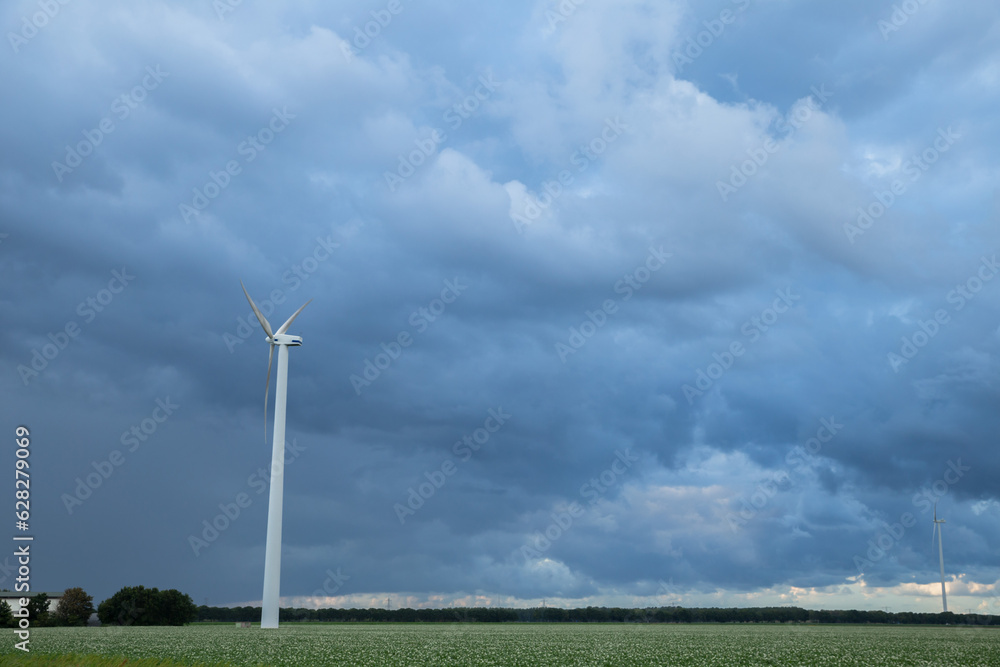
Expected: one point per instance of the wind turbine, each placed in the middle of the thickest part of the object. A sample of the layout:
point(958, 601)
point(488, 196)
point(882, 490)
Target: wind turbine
point(937, 529)
point(272, 550)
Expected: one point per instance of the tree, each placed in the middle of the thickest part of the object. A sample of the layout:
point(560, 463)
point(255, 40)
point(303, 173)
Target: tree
point(176, 608)
point(38, 609)
point(74, 608)
point(137, 605)
point(6, 615)
point(129, 606)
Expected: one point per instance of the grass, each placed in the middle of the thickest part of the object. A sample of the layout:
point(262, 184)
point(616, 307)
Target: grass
point(511, 644)
point(77, 660)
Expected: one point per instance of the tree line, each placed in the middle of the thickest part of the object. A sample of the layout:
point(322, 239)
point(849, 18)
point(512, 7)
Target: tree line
point(137, 605)
point(597, 615)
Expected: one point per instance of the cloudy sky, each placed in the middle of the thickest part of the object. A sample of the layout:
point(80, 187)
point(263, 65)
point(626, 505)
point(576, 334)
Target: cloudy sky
point(614, 302)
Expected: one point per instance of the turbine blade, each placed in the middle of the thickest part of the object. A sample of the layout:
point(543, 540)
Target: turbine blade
point(260, 317)
point(936, 527)
point(284, 327)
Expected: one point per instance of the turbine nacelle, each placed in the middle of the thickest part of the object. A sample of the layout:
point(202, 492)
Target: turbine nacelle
point(284, 339)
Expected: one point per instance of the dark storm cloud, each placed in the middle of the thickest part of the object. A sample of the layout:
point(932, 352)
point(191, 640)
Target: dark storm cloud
point(641, 313)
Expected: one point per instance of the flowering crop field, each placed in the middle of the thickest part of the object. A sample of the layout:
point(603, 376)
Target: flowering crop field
point(527, 644)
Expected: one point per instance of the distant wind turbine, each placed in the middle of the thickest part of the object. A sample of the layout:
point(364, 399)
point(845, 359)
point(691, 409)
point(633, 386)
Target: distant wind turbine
point(937, 529)
point(272, 550)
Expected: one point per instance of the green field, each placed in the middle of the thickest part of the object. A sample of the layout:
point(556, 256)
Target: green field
point(521, 644)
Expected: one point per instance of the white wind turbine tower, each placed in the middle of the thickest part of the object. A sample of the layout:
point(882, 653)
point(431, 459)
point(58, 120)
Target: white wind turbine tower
point(272, 550)
point(937, 529)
